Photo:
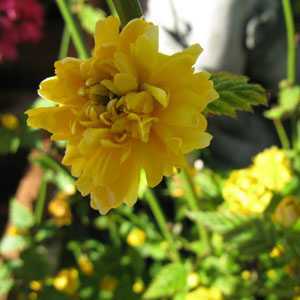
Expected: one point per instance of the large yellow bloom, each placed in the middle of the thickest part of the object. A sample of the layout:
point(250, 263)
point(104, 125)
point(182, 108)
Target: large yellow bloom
point(126, 108)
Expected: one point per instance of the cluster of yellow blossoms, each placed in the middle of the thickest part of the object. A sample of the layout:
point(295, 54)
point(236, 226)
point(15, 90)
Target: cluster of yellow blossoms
point(249, 191)
point(125, 109)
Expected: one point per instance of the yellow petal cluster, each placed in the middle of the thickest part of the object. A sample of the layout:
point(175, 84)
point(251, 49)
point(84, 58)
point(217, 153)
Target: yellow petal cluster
point(59, 209)
point(245, 194)
point(125, 109)
point(67, 281)
point(272, 167)
point(287, 211)
point(205, 293)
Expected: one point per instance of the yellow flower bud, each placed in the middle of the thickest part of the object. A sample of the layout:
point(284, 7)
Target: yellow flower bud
point(138, 286)
point(9, 121)
point(67, 281)
point(108, 283)
point(271, 274)
point(136, 237)
point(59, 209)
point(287, 212)
point(276, 251)
point(85, 265)
point(36, 285)
point(193, 280)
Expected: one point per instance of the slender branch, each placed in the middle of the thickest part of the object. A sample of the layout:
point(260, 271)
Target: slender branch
point(291, 43)
point(161, 221)
point(73, 29)
point(112, 7)
point(283, 137)
point(192, 201)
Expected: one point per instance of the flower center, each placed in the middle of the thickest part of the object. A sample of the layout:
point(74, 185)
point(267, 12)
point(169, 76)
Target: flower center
point(126, 110)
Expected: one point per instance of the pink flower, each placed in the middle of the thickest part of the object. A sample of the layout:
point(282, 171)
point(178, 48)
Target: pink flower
point(20, 21)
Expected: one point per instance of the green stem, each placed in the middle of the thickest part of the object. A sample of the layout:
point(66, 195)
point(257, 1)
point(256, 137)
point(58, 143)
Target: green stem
point(192, 200)
point(65, 43)
point(283, 137)
point(160, 218)
point(112, 7)
point(41, 200)
point(128, 10)
point(73, 29)
point(291, 44)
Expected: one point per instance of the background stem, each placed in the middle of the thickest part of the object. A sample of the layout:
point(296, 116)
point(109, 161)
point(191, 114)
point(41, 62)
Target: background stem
point(128, 10)
point(192, 200)
point(73, 28)
point(161, 221)
point(291, 43)
point(65, 43)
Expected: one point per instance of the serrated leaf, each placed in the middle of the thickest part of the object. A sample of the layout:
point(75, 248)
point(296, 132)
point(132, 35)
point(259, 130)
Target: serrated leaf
point(169, 281)
point(20, 216)
point(289, 100)
point(219, 222)
point(235, 94)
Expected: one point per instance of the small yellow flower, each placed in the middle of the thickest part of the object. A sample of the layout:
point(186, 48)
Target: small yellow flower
point(67, 281)
point(36, 285)
point(9, 121)
point(205, 293)
point(271, 274)
point(246, 275)
point(138, 286)
point(124, 110)
point(108, 283)
point(245, 194)
point(272, 167)
point(59, 209)
point(277, 251)
point(85, 265)
point(287, 212)
point(193, 280)
point(136, 237)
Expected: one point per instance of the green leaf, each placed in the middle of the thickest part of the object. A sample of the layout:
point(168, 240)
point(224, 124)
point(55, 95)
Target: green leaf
point(219, 222)
point(289, 99)
point(6, 281)
point(169, 281)
point(10, 142)
point(235, 94)
point(89, 16)
point(20, 216)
